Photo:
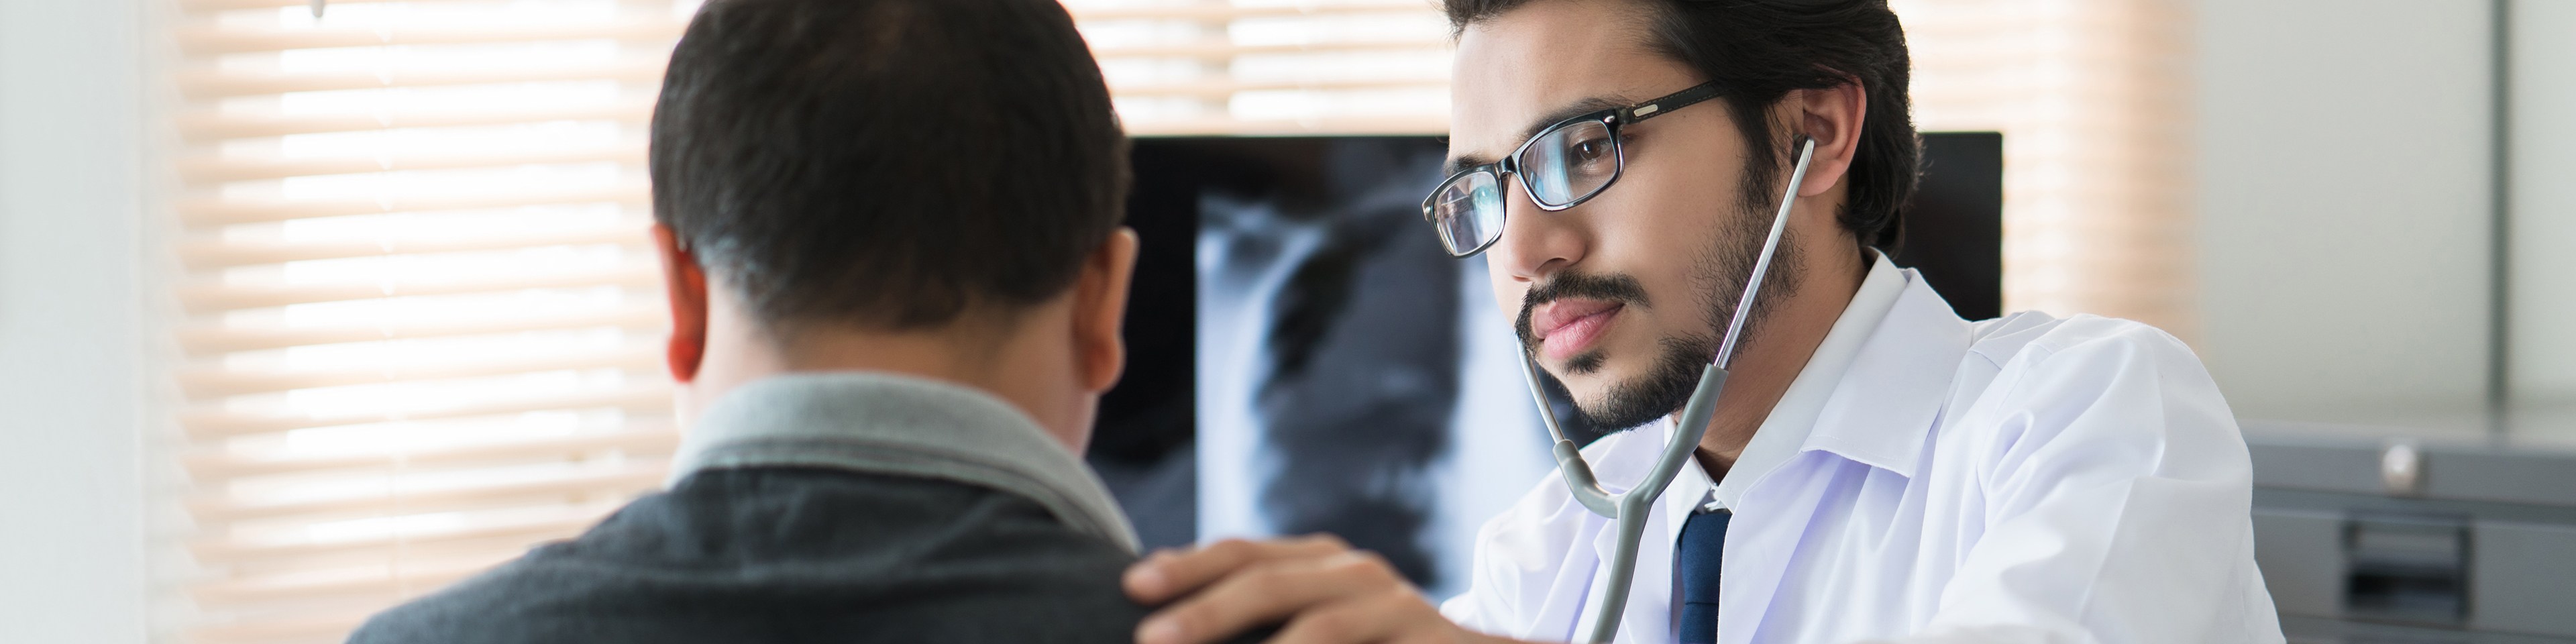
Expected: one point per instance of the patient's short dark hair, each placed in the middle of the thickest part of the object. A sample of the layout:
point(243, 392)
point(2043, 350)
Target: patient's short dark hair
point(887, 163)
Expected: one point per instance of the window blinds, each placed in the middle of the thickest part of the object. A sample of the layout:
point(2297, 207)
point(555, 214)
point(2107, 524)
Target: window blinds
point(422, 325)
point(2093, 98)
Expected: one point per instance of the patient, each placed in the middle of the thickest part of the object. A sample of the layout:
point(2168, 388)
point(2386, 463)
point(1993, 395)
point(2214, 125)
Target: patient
point(896, 273)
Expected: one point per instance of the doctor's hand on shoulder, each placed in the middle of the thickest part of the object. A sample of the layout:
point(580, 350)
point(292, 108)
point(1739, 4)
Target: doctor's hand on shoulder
point(1316, 589)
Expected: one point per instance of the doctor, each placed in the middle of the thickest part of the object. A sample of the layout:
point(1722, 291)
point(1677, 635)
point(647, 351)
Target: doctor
point(1877, 469)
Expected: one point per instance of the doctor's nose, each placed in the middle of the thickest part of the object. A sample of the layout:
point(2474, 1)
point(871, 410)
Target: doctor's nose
point(1536, 242)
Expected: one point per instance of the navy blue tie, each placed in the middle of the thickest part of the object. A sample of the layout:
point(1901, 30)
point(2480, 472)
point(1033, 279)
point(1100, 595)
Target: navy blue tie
point(1695, 560)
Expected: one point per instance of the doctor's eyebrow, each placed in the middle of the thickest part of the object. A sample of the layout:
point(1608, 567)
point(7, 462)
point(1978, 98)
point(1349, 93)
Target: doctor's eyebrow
point(1581, 107)
point(1462, 162)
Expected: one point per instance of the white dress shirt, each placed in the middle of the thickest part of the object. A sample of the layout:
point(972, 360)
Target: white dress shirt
point(1928, 479)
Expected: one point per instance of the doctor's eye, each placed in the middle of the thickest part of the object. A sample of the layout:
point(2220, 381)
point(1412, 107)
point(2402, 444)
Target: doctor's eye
point(1589, 153)
point(1591, 150)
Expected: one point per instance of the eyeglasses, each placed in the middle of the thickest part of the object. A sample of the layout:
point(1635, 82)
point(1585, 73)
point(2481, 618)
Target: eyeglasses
point(1563, 166)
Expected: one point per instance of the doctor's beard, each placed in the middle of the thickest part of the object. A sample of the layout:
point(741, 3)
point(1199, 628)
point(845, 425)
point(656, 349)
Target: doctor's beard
point(1717, 277)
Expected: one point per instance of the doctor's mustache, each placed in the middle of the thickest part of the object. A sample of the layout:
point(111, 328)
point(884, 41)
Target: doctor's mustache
point(1616, 287)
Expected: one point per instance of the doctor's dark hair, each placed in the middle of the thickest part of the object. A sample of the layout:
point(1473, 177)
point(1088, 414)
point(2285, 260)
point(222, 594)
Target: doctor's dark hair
point(891, 164)
point(1759, 50)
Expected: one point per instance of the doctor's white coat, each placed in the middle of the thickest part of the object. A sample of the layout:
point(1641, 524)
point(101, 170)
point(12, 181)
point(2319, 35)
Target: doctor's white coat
point(2025, 479)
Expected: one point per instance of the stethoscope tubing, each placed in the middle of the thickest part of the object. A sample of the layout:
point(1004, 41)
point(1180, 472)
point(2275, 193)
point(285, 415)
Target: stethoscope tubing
point(1631, 508)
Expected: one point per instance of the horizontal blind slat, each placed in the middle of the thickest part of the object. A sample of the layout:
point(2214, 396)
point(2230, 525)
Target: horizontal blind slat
point(212, 424)
point(221, 508)
point(1227, 48)
point(385, 586)
point(1200, 11)
point(209, 85)
point(214, 212)
point(224, 552)
point(207, 339)
point(214, 298)
point(220, 466)
point(216, 382)
point(1213, 11)
point(204, 127)
point(206, 254)
point(221, 40)
point(238, 169)
point(316, 626)
point(1222, 88)
point(228, 5)
point(1329, 126)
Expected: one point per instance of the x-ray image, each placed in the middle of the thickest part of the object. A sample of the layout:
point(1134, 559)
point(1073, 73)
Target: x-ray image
point(1344, 368)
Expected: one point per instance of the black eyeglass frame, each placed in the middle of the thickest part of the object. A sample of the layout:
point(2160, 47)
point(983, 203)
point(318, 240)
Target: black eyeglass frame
point(1610, 119)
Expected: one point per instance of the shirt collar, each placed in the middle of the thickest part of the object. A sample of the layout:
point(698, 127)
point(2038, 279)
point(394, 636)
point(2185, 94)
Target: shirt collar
point(1896, 385)
point(1791, 420)
point(881, 423)
point(1785, 431)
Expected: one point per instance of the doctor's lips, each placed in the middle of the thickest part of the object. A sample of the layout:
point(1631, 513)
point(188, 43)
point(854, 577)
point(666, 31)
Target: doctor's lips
point(1565, 327)
point(1565, 316)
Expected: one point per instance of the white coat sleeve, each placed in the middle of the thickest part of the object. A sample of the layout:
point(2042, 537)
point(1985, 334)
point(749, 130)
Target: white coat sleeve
point(2116, 490)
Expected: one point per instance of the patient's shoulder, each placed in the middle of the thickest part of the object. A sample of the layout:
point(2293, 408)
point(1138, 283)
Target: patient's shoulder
point(793, 555)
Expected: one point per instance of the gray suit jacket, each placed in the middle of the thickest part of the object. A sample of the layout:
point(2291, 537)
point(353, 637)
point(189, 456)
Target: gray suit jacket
point(845, 507)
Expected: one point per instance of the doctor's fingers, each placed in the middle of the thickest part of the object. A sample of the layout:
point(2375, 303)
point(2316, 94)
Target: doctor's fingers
point(1172, 573)
point(1396, 616)
point(1273, 591)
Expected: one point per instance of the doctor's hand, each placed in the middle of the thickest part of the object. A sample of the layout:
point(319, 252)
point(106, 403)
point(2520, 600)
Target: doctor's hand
point(1317, 589)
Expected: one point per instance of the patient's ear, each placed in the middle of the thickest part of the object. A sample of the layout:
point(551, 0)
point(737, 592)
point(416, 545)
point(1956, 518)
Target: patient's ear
point(1100, 310)
point(686, 284)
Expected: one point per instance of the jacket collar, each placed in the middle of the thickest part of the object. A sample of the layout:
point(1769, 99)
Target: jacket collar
point(881, 423)
point(1887, 401)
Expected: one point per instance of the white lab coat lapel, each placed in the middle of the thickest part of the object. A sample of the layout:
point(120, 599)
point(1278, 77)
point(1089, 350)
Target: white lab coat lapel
point(1880, 415)
point(1570, 596)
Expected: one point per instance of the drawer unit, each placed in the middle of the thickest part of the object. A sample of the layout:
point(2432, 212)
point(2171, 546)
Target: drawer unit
point(2403, 541)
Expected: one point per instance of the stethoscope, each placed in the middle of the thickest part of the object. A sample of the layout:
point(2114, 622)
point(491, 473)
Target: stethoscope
point(1630, 508)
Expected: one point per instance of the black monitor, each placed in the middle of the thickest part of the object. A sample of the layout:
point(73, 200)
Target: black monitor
point(1954, 226)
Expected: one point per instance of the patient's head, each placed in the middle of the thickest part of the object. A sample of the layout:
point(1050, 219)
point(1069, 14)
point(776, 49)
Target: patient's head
point(923, 186)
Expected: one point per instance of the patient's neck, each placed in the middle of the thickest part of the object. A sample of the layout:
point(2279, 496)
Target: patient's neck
point(1025, 359)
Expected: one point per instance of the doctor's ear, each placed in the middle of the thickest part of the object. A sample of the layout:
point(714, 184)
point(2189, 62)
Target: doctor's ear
point(1833, 116)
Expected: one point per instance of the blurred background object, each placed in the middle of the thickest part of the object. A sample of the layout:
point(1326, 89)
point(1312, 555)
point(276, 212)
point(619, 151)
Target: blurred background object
point(309, 315)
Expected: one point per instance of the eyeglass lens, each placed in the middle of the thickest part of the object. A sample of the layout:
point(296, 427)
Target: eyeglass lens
point(1569, 163)
point(1468, 211)
point(1564, 165)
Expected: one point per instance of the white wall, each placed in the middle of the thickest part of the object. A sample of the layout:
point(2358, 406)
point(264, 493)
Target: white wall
point(71, 402)
point(2543, 330)
point(2344, 207)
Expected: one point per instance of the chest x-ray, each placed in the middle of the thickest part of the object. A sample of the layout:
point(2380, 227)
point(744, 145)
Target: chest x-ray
point(1339, 360)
